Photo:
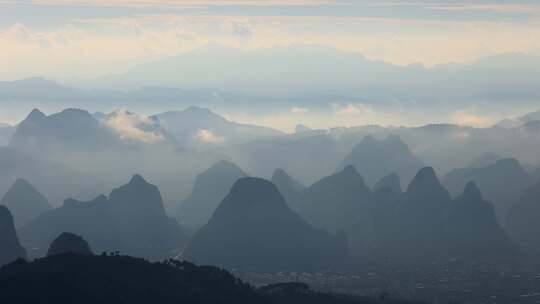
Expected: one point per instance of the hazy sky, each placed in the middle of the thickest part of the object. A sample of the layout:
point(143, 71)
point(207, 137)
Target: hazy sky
point(68, 40)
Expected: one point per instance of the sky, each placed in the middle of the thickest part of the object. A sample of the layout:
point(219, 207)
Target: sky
point(80, 39)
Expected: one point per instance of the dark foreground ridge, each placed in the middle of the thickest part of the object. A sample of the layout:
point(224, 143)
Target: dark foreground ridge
point(73, 278)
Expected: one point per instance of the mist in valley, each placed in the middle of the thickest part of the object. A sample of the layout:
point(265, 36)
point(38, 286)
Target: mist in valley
point(303, 152)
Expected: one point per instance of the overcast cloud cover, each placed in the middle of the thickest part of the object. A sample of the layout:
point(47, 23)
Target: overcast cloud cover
point(84, 39)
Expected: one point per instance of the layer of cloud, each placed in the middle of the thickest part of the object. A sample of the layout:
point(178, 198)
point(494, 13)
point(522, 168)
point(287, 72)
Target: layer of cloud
point(464, 117)
point(86, 45)
point(299, 110)
point(208, 137)
point(135, 127)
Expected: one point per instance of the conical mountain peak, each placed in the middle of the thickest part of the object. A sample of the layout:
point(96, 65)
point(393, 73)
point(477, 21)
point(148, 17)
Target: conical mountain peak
point(289, 187)
point(224, 166)
point(279, 174)
point(253, 229)
point(69, 243)
point(22, 184)
point(426, 176)
point(138, 197)
point(210, 187)
point(35, 115)
point(250, 190)
point(350, 171)
point(426, 187)
point(471, 192)
point(137, 180)
point(25, 202)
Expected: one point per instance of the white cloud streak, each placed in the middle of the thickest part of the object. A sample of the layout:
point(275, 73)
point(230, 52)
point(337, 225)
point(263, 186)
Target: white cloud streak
point(208, 137)
point(131, 126)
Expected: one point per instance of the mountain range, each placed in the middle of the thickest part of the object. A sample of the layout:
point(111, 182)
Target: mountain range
point(425, 224)
point(131, 220)
point(55, 179)
point(502, 183)
point(281, 72)
point(197, 126)
point(253, 229)
point(378, 158)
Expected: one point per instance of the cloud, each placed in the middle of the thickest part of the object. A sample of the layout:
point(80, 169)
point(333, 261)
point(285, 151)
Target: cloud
point(91, 44)
point(207, 136)
point(464, 117)
point(351, 109)
point(131, 126)
point(299, 110)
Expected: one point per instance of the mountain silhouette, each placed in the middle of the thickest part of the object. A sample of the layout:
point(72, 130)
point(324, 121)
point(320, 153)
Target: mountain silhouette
point(307, 158)
point(24, 202)
point(484, 160)
point(336, 202)
point(141, 222)
point(375, 159)
point(131, 220)
point(69, 130)
point(185, 125)
point(11, 248)
point(92, 220)
point(473, 232)
point(254, 229)
point(414, 231)
point(424, 225)
point(391, 181)
point(209, 189)
point(69, 243)
point(287, 186)
point(55, 180)
point(523, 224)
point(501, 183)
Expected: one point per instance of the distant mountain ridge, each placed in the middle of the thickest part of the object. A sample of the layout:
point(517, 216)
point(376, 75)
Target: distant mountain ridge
point(280, 72)
point(290, 188)
point(25, 202)
point(210, 187)
point(375, 159)
point(198, 126)
point(56, 180)
point(501, 183)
